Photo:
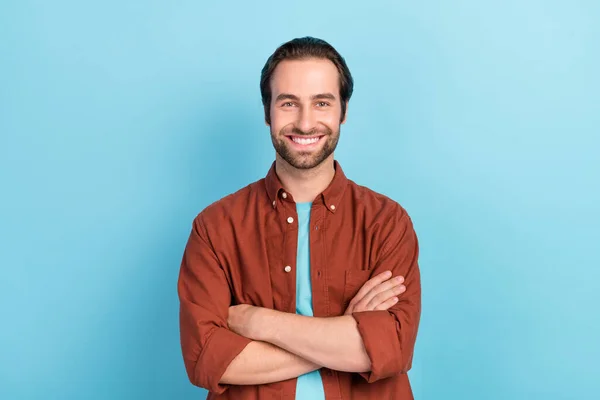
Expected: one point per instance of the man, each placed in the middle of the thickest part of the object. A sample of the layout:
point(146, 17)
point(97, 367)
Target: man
point(302, 285)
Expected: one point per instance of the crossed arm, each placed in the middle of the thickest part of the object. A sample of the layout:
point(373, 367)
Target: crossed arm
point(288, 345)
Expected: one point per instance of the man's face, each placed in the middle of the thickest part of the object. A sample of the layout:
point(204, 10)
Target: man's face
point(305, 111)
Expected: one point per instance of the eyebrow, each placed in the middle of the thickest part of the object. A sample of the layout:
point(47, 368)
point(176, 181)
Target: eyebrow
point(323, 96)
point(320, 96)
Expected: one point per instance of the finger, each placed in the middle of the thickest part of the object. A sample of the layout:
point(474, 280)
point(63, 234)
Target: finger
point(385, 296)
point(370, 284)
point(382, 287)
point(386, 305)
point(376, 291)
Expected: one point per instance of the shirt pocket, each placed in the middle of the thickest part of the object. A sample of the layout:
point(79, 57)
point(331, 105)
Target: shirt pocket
point(354, 280)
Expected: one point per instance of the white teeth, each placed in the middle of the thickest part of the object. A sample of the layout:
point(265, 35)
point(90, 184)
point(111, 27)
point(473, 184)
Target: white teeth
point(304, 140)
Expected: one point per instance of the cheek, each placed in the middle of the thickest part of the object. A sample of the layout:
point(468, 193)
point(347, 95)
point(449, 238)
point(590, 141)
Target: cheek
point(331, 119)
point(280, 119)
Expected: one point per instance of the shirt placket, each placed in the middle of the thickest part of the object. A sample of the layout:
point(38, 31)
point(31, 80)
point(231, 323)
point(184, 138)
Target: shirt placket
point(317, 265)
point(289, 219)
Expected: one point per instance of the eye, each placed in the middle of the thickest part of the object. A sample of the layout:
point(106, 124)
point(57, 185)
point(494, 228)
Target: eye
point(322, 104)
point(288, 104)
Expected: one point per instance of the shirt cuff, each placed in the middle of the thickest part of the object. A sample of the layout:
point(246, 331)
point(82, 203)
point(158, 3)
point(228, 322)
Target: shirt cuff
point(381, 337)
point(221, 348)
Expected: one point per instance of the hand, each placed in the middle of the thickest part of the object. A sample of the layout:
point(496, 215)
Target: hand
point(378, 293)
point(242, 320)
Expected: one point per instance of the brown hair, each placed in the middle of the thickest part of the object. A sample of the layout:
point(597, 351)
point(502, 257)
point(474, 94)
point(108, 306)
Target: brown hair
point(302, 48)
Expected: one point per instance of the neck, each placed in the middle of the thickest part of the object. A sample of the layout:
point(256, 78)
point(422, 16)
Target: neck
point(305, 184)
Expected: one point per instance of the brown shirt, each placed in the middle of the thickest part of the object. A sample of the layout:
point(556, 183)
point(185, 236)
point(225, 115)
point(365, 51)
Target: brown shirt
point(239, 252)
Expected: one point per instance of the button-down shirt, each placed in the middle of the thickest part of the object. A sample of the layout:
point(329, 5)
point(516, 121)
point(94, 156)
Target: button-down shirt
point(242, 250)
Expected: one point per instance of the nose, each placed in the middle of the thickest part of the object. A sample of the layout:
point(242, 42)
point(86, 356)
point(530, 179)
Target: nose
point(306, 120)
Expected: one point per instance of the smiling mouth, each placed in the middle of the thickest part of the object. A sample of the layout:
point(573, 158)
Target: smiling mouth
point(304, 140)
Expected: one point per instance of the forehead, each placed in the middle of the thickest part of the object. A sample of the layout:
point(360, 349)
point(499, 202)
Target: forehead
point(305, 77)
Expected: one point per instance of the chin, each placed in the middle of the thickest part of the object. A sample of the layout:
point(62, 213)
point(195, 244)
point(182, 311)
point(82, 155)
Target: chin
point(304, 163)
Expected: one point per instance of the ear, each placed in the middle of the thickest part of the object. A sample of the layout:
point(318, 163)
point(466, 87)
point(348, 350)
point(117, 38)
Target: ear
point(345, 115)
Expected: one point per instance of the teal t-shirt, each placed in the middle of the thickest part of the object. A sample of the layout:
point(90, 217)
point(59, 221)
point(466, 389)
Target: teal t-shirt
point(309, 386)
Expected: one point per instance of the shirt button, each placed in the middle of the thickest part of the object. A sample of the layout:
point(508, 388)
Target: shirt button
point(290, 220)
point(284, 195)
point(332, 207)
point(274, 202)
point(287, 268)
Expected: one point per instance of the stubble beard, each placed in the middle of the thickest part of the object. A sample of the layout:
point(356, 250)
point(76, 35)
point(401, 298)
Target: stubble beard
point(305, 159)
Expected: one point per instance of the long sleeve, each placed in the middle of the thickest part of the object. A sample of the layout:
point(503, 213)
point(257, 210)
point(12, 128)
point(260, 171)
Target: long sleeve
point(389, 336)
point(208, 346)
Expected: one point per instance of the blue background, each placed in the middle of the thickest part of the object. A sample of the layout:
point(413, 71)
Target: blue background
point(121, 120)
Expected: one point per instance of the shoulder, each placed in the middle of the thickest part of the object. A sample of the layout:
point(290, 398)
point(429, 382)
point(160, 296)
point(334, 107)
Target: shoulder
point(387, 222)
point(232, 205)
point(384, 218)
point(378, 205)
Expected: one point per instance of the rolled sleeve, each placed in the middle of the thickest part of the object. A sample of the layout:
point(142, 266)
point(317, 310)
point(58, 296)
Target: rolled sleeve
point(208, 346)
point(389, 336)
point(221, 348)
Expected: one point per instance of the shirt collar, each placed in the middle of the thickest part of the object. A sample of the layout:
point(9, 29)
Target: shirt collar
point(331, 196)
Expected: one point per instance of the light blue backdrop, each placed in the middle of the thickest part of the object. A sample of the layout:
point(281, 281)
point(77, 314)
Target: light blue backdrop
point(121, 120)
